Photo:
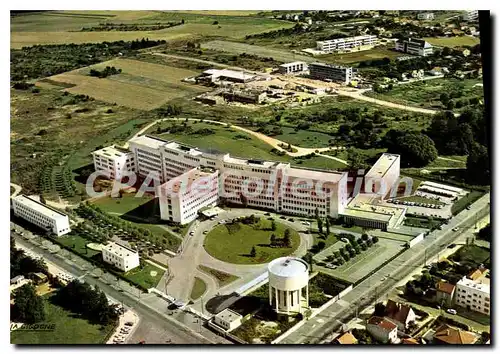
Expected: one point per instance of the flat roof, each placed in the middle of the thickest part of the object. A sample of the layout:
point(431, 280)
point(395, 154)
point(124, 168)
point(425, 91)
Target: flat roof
point(148, 141)
point(480, 285)
point(249, 162)
point(343, 39)
point(383, 164)
point(118, 249)
point(40, 207)
point(365, 206)
point(442, 186)
point(288, 266)
point(229, 315)
point(186, 179)
point(229, 73)
point(329, 176)
point(112, 152)
point(332, 66)
point(182, 148)
point(293, 63)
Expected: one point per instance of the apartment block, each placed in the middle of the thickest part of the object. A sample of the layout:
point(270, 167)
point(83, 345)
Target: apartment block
point(41, 215)
point(291, 68)
point(473, 294)
point(122, 257)
point(347, 44)
point(114, 161)
point(182, 197)
point(414, 46)
point(322, 71)
point(147, 154)
point(383, 175)
point(425, 16)
point(470, 15)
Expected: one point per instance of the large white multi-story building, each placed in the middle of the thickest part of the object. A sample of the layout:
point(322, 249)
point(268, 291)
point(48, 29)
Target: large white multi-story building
point(347, 44)
point(295, 67)
point(473, 294)
point(383, 175)
point(470, 15)
point(322, 71)
point(148, 158)
point(182, 196)
point(113, 161)
point(414, 46)
point(122, 257)
point(41, 215)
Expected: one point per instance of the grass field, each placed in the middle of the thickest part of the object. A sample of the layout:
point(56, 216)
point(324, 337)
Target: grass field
point(426, 93)
point(304, 138)
point(235, 247)
point(148, 277)
point(141, 85)
point(78, 244)
point(419, 199)
point(463, 202)
point(472, 253)
point(356, 57)
point(461, 162)
point(230, 140)
point(123, 205)
point(223, 278)
point(69, 329)
point(238, 48)
point(453, 41)
point(198, 289)
point(53, 28)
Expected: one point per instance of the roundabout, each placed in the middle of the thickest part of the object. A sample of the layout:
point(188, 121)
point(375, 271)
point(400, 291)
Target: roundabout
point(234, 242)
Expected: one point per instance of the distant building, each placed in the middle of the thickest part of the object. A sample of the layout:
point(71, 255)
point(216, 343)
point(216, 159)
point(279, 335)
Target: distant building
point(425, 16)
point(414, 46)
point(41, 215)
point(445, 293)
point(409, 341)
point(113, 161)
point(17, 280)
point(244, 96)
point(382, 330)
point(295, 67)
point(228, 320)
point(383, 175)
point(346, 338)
point(446, 334)
point(213, 75)
point(182, 197)
point(347, 44)
point(473, 294)
point(39, 278)
point(470, 15)
point(331, 72)
point(399, 314)
point(122, 257)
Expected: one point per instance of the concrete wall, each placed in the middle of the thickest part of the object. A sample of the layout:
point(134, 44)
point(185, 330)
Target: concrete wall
point(416, 240)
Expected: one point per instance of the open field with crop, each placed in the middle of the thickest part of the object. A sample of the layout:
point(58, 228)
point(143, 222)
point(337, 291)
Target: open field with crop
point(356, 57)
point(238, 48)
point(453, 41)
point(141, 85)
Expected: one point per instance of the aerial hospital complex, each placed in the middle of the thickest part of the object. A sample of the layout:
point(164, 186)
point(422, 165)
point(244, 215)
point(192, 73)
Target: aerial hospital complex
point(192, 179)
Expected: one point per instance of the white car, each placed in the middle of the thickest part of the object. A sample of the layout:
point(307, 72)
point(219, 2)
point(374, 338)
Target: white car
point(343, 239)
point(331, 266)
point(452, 311)
point(456, 229)
point(306, 223)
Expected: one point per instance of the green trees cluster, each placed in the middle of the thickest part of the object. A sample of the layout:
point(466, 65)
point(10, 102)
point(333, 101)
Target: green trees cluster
point(108, 71)
point(123, 27)
point(22, 264)
point(28, 306)
point(485, 233)
point(90, 303)
point(416, 149)
point(353, 248)
point(286, 241)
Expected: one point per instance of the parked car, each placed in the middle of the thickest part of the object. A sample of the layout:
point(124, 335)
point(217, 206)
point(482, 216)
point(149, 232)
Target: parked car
point(129, 323)
point(307, 223)
point(452, 311)
point(452, 245)
point(291, 219)
point(343, 239)
point(267, 214)
point(456, 229)
point(331, 266)
point(283, 217)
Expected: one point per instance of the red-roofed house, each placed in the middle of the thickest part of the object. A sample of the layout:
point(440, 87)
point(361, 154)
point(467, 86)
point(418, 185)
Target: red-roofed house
point(382, 330)
point(444, 293)
point(399, 314)
point(409, 341)
point(451, 335)
point(346, 338)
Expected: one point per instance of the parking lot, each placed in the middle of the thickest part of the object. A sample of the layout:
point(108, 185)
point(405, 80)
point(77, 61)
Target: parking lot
point(127, 324)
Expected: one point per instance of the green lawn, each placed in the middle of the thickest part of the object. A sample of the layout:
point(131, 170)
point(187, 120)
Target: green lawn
point(471, 253)
point(463, 202)
point(304, 138)
point(78, 244)
point(235, 246)
point(69, 329)
point(222, 278)
point(419, 199)
point(421, 222)
point(447, 163)
point(199, 288)
point(144, 277)
point(123, 205)
point(356, 57)
point(453, 41)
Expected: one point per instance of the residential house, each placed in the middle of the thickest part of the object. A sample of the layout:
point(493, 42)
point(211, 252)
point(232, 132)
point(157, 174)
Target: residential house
point(382, 330)
point(477, 274)
point(228, 319)
point(17, 280)
point(39, 278)
point(399, 314)
point(446, 334)
point(445, 293)
point(346, 338)
point(409, 341)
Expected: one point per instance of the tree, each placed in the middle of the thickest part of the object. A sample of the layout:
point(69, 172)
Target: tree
point(478, 165)
point(42, 199)
point(215, 23)
point(273, 239)
point(28, 306)
point(320, 225)
point(321, 245)
point(273, 225)
point(287, 238)
point(416, 149)
point(327, 225)
point(355, 159)
point(375, 239)
point(364, 237)
point(253, 252)
point(444, 98)
point(379, 309)
point(485, 233)
point(308, 257)
point(369, 242)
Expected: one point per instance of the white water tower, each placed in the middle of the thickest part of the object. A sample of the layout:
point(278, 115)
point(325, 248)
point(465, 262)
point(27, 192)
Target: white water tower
point(288, 277)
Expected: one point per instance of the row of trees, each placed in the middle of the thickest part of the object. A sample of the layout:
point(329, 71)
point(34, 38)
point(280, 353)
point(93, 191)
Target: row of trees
point(124, 27)
point(286, 241)
point(108, 71)
point(22, 264)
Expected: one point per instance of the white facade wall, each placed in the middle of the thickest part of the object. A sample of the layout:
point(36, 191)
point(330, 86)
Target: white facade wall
point(415, 48)
point(41, 215)
point(121, 257)
point(340, 44)
point(425, 16)
point(228, 319)
point(381, 334)
point(113, 162)
point(473, 295)
point(290, 68)
point(148, 159)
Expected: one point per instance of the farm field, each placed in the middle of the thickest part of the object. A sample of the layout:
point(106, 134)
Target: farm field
point(238, 48)
point(69, 329)
point(141, 85)
point(356, 57)
point(233, 243)
point(239, 144)
point(453, 41)
point(426, 93)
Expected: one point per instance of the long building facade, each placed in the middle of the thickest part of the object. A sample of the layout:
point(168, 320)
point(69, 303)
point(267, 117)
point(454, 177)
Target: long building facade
point(347, 44)
point(255, 183)
point(414, 46)
point(331, 72)
point(41, 215)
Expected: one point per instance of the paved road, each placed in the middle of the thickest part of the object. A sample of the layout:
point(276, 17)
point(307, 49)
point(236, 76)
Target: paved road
point(152, 309)
point(319, 328)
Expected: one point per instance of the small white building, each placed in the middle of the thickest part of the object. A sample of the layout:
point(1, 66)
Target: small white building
point(182, 196)
point(295, 67)
point(41, 215)
point(426, 16)
point(470, 15)
point(113, 161)
point(17, 280)
point(122, 257)
point(228, 319)
point(414, 46)
point(383, 330)
point(473, 294)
